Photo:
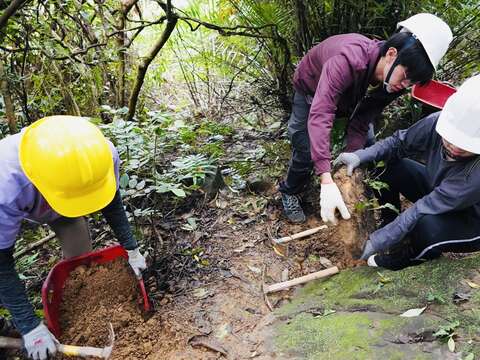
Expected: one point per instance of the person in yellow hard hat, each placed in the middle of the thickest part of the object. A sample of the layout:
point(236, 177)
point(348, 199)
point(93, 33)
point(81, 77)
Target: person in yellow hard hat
point(56, 171)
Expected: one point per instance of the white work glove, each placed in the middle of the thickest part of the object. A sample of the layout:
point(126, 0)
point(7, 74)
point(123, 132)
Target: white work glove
point(40, 343)
point(136, 261)
point(351, 160)
point(331, 199)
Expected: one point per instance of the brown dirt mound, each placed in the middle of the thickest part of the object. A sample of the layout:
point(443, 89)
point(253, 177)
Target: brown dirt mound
point(354, 232)
point(100, 294)
point(342, 244)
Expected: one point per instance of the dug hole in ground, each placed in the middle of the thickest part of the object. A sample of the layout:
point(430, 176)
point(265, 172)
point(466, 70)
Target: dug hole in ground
point(224, 314)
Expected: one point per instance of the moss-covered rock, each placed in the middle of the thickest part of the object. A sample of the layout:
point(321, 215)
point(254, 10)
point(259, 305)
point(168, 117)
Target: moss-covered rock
point(355, 314)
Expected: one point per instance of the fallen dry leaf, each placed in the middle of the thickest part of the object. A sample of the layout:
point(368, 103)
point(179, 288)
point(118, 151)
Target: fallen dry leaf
point(413, 312)
point(472, 284)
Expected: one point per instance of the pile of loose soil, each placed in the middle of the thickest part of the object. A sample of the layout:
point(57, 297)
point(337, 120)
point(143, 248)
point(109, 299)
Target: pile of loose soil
point(341, 244)
point(102, 294)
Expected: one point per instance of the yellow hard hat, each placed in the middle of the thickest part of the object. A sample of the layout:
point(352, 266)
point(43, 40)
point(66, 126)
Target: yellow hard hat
point(69, 161)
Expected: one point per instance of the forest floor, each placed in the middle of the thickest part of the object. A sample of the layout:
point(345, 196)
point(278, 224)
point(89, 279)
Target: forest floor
point(206, 284)
point(353, 315)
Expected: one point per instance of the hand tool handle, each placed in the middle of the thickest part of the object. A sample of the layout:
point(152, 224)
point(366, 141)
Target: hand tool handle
point(69, 350)
point(83, 351)
point(10, 343)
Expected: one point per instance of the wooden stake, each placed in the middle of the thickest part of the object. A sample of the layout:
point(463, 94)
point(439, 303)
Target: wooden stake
point(265, 297)
point(300, 280)
point(299, 235)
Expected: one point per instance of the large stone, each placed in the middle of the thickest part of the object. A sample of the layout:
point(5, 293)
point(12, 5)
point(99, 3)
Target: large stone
point(356, 314)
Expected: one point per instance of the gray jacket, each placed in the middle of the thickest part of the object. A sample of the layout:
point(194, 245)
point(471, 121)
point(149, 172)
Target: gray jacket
point(454, 185)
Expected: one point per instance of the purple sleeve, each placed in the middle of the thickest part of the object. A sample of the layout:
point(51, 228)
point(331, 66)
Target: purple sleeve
point(336, 77)
point(357, 133)
point(10, 221)
point(116, 162)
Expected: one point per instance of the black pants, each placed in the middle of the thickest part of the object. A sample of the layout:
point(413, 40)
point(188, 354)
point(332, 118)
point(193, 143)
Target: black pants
point(301, 165)
point(456, 231)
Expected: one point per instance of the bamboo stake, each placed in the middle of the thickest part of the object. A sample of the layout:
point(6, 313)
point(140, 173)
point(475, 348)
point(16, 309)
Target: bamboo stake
point(300, 280)
point(299, 235)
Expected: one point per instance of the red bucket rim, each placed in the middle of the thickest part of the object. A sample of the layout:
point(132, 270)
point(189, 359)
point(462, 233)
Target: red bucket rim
point(434, 93)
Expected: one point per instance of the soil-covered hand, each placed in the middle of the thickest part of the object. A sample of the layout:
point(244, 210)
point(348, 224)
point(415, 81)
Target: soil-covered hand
point(136, 261)
point(40, 343)
point(331, 199)
point(351, 160)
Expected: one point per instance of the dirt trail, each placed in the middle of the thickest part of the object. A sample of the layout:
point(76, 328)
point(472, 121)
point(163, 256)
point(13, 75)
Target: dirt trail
point(225, 315)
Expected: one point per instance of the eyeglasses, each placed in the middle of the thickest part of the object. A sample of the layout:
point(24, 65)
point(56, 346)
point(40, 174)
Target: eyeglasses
point(406, 82)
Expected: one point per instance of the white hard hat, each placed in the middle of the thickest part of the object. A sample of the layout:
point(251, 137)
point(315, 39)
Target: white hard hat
point(459, 122)
point(434, 34)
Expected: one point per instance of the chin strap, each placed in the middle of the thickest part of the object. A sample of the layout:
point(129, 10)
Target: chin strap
point(409, 43)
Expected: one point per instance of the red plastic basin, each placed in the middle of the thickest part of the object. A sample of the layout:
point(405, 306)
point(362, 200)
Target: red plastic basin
point(52, 289)
point(434, 93)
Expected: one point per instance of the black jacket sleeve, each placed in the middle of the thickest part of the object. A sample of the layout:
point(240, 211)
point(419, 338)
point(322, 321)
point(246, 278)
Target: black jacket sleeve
point(117, 219)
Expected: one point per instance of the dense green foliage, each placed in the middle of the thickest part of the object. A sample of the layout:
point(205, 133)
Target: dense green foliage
point(75, 56)
point(227, 65)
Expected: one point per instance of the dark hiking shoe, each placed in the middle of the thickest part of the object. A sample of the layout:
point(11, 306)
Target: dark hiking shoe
point(292, 208)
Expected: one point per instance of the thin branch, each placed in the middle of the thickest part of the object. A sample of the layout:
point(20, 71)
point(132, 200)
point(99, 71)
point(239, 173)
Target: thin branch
point(14, 6)
point(230, 86)
point(229, 31)
point(143, 67)
point(34, 245)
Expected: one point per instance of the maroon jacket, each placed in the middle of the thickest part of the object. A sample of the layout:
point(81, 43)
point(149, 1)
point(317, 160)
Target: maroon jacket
point(336, 73)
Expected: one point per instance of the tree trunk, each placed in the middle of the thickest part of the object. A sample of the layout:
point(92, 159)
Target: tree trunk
point(122, 58)
point(143, 67)
point(12, 8)
point(126, 6)
point(7, 98)
point(68, 98)
point(304, 40)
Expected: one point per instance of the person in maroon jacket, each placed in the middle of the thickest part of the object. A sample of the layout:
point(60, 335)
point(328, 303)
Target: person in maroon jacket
point(351, 75)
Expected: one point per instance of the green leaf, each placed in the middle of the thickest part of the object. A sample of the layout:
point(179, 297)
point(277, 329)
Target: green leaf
point(441, 333)
point(383, 279)
point(469, 357)
point(140, 185)
point(178, 192)
point(327, 312)
point(391, 207)
point(360, 206)
point(435, 298)
point(132, 183)
point(124, 181)
point(378, 185)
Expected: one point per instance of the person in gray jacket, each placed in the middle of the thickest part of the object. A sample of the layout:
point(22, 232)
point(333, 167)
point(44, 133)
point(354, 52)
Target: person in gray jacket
point(445, 190)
